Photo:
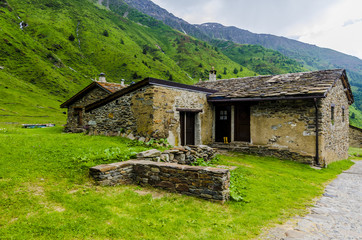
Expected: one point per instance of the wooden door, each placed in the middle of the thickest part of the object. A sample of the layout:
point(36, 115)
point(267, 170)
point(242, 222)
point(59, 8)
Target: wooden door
point(187, 122)
point(242, 122)
point(222, 123)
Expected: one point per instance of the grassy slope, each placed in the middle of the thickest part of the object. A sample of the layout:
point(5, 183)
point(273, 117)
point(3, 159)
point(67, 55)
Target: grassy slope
point(261, 60)
point(45, 193)
point(42, 58)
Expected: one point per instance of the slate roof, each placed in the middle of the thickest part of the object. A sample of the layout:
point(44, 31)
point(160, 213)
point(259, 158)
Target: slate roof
point(144, 82)
point(288, 86)
point(108, 88)
point(111, 87)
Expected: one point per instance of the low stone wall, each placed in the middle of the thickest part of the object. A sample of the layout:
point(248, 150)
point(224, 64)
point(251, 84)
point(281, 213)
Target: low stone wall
point(203, 182)
point(355, 137)
point(181, 155)
point(260, 150)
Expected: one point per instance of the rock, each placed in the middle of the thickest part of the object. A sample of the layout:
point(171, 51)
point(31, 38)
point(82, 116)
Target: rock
point(142, 139)
point(1, 67)
point(165, 157)
point(149, 154)
point(130, 136)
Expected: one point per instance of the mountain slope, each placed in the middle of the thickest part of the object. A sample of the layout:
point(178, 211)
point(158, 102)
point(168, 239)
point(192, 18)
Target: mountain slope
point(51, 49)
point(310, 56)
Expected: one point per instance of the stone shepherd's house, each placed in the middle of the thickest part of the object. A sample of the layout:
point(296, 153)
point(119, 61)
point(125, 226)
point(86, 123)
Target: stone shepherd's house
point(91, 93)
point(300, 116)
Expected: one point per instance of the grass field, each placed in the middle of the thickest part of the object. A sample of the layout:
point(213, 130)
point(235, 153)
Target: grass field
point(45, 192)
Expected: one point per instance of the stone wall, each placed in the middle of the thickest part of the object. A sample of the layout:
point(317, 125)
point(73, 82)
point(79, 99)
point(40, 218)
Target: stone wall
point(265, 150)
point(181, 155)
point(355, 137)
point(91, 97)
point(334, 142)
point(118, 116)
point(285, 125)
point(204, 182)
point(152, 112)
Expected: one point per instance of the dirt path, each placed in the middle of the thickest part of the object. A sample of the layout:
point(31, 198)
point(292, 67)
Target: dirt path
point(337, 215)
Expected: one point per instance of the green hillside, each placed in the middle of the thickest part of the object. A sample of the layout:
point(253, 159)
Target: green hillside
point(259, 59)
point(64, 44)
point(51, 49)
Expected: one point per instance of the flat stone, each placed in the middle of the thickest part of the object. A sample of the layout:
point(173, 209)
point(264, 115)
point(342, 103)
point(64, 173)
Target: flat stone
point(294, 234)
point(149, 154)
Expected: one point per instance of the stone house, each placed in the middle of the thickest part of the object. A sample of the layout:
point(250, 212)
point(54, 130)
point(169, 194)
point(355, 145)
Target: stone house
point(300, 116)
point(91, 93)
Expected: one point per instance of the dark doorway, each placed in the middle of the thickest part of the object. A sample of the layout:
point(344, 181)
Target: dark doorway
point(222, 123)
point(242, 122)
point(187, 122)
point(78, 114)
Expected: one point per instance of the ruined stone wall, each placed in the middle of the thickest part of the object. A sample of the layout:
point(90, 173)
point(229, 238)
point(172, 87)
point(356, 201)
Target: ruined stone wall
point(334, 133)
point(355, 137)
point(152, 112)
point(204, 182)
point(286, 125)
point(91, 97)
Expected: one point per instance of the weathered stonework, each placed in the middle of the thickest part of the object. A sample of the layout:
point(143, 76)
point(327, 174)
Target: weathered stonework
point(73, 124)
point(152, 111)
point(203, 182)
point(355, 137)
point(181, 155)
point(334, 139)
point(285, 125)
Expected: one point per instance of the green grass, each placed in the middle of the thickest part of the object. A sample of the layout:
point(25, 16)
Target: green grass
point(45, 193)
point(355, 153)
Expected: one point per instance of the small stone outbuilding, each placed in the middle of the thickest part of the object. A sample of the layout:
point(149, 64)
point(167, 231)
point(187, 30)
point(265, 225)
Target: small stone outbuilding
point(300, 116)
point(93, 92)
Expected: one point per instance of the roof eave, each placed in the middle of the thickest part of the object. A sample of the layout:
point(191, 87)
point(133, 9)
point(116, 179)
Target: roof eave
point(253, 99)
point(81, 93)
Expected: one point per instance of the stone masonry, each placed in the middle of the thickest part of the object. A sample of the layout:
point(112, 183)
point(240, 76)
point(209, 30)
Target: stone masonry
point(152, 112)
point(181, 155)
point(203, 182)
point(355, 137)
point(334, 141)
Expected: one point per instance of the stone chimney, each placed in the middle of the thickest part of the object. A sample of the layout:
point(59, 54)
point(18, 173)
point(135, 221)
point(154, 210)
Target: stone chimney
point(102, 77)
point(122, 83)
point(212, 74)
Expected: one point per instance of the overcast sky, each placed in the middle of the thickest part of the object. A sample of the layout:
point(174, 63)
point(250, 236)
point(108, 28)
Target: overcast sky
point(335, 24)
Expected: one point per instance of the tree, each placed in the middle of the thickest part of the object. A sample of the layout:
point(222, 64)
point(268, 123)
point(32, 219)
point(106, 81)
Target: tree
point(200, 65)
point(235, 71)
point(105, 33)
point(241, 69)
point(353, 116)
point(225, 70)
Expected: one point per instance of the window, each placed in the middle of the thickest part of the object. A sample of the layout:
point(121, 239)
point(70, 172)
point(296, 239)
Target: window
point(342, 113)
point(332, 113)
point(223, 115)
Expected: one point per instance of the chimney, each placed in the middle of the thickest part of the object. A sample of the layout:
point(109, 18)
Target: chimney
point(122, 83)
point(212, 74)
point(102, 77)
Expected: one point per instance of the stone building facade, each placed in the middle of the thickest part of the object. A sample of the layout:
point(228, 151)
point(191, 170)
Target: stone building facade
point(153, 110)
point(76, 105)
point(355, 137)
point(300, 116)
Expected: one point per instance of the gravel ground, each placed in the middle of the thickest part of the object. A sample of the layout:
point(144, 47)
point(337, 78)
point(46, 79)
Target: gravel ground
point(337, 215)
